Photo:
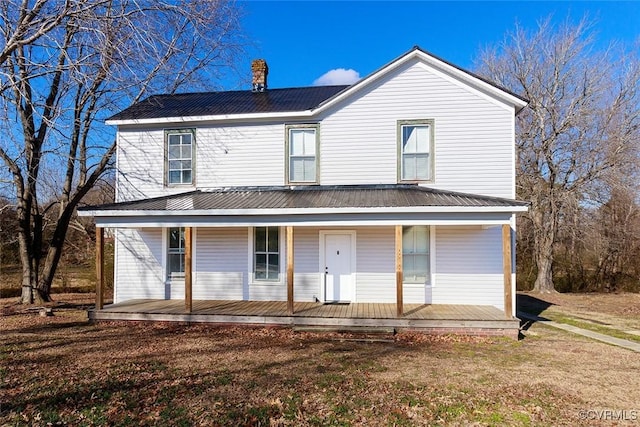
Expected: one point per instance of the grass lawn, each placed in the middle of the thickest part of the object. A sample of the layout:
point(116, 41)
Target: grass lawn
point(62, 369)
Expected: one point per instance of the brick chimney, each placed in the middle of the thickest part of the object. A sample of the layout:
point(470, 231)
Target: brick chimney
point(260, 70)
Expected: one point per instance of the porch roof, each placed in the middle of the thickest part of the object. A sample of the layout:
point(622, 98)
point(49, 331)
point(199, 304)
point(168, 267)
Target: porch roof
point(308, 200)
point(308, 206)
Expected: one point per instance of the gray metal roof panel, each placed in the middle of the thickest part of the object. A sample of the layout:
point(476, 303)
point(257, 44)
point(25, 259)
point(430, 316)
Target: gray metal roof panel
point(310, 197)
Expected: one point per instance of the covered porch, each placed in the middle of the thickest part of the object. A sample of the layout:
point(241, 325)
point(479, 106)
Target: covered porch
point(370, 218)
point(433, 318)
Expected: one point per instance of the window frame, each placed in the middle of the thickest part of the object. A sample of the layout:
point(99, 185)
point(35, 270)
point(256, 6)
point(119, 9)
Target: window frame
point(167, 134)
point(180, 250)
point(287, 161)
point(401, 124)
point(252, 257)
point(427, 255)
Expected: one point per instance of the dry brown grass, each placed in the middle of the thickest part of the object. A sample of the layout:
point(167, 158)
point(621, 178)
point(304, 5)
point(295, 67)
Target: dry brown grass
point(62, 369)
point(617, 310)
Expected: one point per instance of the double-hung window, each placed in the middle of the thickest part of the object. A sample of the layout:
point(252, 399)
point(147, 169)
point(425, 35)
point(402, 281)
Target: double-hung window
point(175, 252)
point(415, 254)
point(415, 149)
point(266, 253)
point(180, 151)
point(302, 154)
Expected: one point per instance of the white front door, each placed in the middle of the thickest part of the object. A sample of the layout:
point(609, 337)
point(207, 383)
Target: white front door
point(338, 268)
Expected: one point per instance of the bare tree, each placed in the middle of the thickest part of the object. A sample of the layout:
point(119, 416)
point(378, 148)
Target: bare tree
point(582, 121)
point(67, 65)
point(615, 242)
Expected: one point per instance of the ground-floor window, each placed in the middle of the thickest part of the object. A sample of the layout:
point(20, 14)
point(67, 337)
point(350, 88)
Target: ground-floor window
point(266, 253)
point(175, 252)
point(415, 253)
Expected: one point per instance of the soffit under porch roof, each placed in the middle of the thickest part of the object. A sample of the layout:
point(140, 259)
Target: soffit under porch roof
point(307, 205)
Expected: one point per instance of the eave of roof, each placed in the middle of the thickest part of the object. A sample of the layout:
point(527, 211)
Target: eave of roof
point(324, 200)
point(229, 105)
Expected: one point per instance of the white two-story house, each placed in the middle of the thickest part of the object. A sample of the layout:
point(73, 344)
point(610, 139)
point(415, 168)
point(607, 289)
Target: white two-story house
point(398, 189)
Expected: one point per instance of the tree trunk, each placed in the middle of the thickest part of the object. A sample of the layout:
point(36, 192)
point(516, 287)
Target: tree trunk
point(54, 252)
point(32, 292)
point(544, 279)
point(27, 282)
point(30, 247)
point(29, 276)
point(544, 218)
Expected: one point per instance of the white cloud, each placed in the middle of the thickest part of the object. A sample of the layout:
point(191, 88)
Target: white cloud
point(338, 76)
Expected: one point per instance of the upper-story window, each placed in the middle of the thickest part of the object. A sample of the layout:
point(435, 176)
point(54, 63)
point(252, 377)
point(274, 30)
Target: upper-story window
point(415, 150)
point(302, 154)
point(180, 151)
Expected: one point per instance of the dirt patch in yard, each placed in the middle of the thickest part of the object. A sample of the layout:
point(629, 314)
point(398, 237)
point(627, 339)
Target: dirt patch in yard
point(62, 369)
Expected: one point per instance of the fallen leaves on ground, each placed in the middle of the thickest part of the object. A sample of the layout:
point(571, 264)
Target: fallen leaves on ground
point(62, 369)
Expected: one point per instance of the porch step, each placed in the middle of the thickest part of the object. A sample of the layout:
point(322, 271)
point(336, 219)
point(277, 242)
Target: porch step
point(359, 330)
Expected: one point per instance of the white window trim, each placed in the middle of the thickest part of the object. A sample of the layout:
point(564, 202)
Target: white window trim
point(282, 251)
point(432, 156)
point(180, 131)
point(287, 160)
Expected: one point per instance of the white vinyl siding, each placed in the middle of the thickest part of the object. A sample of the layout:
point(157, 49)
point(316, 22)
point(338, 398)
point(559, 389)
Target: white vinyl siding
point(140, 165)
point(375, 262)
point(469, 266)
point(473, 135)
point(306, 261)
point(241, 155)
point(473, 142)
point(139, 271)
point(467, 270)
point(302, 149)
point(221, 263)
point(231, 155)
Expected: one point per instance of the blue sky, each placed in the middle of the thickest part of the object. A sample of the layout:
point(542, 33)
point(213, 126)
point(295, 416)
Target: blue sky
point(303, 40)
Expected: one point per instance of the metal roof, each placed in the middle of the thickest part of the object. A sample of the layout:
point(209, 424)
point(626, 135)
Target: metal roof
point(285, 100)
point(310, 197)
point(230, 102)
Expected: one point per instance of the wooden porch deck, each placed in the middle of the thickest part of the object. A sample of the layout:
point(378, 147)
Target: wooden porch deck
point(436, 318)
